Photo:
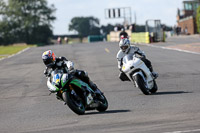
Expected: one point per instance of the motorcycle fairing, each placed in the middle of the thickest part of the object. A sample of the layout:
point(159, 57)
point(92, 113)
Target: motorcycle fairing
point(81, 84)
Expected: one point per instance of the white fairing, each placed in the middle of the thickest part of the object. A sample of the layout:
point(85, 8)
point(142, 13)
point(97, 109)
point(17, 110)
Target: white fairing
point(131, 63)
point(56, 78)
point(50, 86)
point(53, 80)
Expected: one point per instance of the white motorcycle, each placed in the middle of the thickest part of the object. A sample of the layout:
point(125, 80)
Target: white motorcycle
point(137, 72)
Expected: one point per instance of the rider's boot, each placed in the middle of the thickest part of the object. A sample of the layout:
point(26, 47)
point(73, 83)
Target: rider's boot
point(94, 87)
point(155, 74)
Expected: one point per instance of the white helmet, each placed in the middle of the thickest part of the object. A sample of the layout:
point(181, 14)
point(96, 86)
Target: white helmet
point(124, 45)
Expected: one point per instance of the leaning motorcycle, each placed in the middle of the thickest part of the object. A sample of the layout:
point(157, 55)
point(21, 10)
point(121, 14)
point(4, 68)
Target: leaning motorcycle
point(77, 94)
point(137, 72)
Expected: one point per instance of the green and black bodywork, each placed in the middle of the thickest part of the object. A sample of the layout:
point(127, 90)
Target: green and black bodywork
point(77, 94)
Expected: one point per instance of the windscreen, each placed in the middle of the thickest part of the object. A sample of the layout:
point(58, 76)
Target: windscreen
point(128, 58)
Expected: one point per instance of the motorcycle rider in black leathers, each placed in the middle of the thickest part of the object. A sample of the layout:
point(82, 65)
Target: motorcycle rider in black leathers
point(65, 66)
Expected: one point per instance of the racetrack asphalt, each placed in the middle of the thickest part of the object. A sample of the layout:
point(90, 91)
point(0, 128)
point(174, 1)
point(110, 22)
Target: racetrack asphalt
point(27, 107)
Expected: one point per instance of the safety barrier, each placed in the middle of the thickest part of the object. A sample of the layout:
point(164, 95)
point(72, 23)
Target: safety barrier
point(114, 36)
point(108, 37)
point(140, 37)
point(95, 38)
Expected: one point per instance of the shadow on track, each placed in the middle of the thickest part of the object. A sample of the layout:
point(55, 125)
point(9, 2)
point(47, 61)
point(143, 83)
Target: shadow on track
point(108, 112)
point(170, 92)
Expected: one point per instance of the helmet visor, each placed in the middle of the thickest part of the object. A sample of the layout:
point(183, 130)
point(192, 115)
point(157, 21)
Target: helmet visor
point(124, 48)
point(48, 62)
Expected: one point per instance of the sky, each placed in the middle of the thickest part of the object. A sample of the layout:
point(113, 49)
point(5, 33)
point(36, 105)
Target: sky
point(165, 10)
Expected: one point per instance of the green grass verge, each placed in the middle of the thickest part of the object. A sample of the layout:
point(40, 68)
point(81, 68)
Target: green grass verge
point(9, 50)
point(1, 57)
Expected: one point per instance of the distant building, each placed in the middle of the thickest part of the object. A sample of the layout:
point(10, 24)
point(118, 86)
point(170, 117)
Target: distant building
point(186, 19)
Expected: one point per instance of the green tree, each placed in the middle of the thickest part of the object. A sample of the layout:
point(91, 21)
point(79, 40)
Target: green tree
point(107, 29)
point(26, 21)
point(198, 19)
point(85, 26)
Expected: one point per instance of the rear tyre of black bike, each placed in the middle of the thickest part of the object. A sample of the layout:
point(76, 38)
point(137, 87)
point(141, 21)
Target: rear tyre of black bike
point(103, 103)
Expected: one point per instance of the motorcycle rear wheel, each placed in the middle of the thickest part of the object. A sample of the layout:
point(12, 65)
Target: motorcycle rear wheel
point(103, 103)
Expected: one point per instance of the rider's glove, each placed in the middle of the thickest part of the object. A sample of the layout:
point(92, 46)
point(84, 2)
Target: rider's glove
point(45, 72)
point(70, 65)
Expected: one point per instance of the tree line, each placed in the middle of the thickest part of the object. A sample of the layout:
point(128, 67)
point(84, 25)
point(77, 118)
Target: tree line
point(30, 21)
point(27, 21)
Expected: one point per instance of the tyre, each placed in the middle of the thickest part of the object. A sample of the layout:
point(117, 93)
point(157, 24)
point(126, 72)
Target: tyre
point(74, 103)
point(142, 85)
point(103, 103)
point(155, 88)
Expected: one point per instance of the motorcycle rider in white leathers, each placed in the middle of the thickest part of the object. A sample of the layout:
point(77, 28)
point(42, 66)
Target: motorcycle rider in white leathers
point(65, 66)
point(125, 49)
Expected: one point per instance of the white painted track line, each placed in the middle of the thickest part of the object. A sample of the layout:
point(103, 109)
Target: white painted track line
point(186, 131)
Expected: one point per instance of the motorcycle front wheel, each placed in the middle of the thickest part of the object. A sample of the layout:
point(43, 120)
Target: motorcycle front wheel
point(74, 103)
point(142, 85)
point(155, 87)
